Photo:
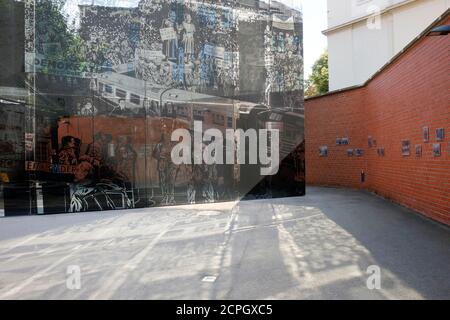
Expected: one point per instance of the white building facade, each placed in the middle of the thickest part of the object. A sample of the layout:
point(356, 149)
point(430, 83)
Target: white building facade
point(363, 35)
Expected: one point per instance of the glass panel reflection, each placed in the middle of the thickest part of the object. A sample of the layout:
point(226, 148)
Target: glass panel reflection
point(93, 91)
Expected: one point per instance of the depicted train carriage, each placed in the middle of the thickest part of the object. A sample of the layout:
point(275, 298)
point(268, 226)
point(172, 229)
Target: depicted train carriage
point(115, 152)
point(128, 109)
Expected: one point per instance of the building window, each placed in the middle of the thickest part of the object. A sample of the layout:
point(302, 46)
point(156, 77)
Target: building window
point(230, 122)
point(135, 99)
point(198, 115)
point(219, 119)
point(154, 106)
point(182, 111)
point(108, 89)
point(121, 94)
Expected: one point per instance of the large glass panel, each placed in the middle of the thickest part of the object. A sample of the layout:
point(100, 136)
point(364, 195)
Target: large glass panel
point(110, 104)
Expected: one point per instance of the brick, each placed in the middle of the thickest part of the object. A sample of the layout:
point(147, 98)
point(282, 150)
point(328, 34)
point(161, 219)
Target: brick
point(409, 94)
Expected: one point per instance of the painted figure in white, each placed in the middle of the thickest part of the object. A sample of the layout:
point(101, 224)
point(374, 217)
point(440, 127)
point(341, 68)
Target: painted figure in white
point(170, 46)
point(188, 38)
point(268, 38)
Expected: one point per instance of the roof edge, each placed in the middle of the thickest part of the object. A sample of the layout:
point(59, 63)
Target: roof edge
point(364, 17)
point(411, 44)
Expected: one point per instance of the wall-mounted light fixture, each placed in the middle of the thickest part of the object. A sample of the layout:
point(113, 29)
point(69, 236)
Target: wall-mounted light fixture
point(439, 31)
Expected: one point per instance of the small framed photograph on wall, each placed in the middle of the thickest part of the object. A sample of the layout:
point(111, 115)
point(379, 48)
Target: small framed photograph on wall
point(426, 134)
point(406, 148)
point(341, 141)
point(436, 150)
point(440, 133)
point(323, 151)
point(359, 152)
point(418, 150)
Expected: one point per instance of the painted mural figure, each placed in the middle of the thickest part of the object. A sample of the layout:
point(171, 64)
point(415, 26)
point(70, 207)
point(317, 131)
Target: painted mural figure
point(68, 155)
point(170, 45)
point(210, 183)
point(189, 70)
point(167, 171)
point(195, 193)
point(290, 46)
point(165, 74)
point(203, 74)
point(188, 39)
point(268, 39)
point(191, 191)
point(125, 159)
point(204, 183)
point(88, 109)
point(97, 150)
point(281, 44)
point(195, 85)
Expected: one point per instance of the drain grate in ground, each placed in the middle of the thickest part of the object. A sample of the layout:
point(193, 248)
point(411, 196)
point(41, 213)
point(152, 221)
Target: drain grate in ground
point(209, 279)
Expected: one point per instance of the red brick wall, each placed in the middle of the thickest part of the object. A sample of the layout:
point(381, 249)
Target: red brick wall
point(411, 93)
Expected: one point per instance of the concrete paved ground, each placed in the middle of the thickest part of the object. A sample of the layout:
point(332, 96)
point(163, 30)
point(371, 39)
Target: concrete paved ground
point(316, 247)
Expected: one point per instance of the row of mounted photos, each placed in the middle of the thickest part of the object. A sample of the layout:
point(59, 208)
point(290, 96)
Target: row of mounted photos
point(406, 150)
point(406, 145)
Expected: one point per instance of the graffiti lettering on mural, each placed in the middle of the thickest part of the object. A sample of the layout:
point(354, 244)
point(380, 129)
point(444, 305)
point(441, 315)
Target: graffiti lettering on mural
point(40, 63)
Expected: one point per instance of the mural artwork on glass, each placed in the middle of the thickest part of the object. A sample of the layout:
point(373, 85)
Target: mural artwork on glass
point(111, 84)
